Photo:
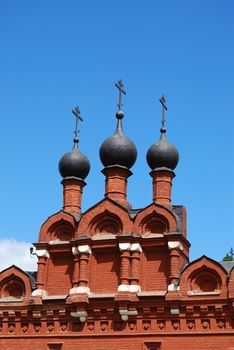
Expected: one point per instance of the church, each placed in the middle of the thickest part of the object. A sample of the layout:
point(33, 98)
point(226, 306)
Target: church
point(114, 277)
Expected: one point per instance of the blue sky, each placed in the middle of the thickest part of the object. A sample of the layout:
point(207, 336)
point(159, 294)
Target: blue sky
point(59, 54)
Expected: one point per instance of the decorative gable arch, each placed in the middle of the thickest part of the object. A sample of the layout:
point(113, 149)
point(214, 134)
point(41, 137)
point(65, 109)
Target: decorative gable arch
point(204, 277)
point(103, 217)
point(106, 222)
point(60, 226)
point(155, 219)
point(14, 283)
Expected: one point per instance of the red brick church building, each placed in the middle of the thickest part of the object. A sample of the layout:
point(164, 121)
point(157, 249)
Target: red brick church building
point(114, 277)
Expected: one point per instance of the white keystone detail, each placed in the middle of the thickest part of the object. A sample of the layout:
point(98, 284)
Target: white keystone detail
point(175, 245)
point(84, 249)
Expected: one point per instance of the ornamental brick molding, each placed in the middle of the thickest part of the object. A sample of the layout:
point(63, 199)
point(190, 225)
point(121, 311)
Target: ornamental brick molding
point(115, 277)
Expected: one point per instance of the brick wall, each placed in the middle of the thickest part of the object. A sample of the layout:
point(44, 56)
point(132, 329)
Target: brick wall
point(104, 272)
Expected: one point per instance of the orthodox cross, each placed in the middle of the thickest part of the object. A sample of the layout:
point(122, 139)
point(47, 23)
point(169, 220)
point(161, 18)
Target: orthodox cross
point(164, 107)
point(119, 86)
point(76, 112)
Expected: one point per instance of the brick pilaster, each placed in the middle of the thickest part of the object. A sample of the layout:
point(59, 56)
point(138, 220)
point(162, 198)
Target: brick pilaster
point(136, 251)
point(42, 256)
point(75, 275)
point(174, 248)
point(80, 270)
point(124, 266)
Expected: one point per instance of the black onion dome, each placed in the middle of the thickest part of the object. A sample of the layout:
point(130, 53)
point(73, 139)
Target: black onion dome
point(118, 149)
point(74, 163)
point(162, 154)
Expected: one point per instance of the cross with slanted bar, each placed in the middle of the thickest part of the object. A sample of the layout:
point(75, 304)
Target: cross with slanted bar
point(76, 112)
point(164, 107)
point(119, 86)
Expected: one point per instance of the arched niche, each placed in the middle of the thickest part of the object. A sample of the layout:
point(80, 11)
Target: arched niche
point(103, 217)
point(155, 219)
point(105, 223)
point(14, 283)
point(204, 280)
point(204, 277)
point(60, 226)
point(12, 287)
point(61, 231)
point(153, 223)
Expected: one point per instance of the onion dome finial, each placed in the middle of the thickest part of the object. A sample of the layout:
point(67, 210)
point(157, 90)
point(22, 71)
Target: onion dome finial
point(118, 149)
point(75, 163)
point(162, 154)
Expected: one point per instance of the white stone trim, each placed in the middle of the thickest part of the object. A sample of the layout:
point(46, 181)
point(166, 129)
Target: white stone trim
point(193, 293)
point(134, 288)
point(39, 292)
point(58, 241)
point(75, 251)
point(42, 253)
point(136, 247)
point(11, 300)
point(175, 311)
point(80, 290)
point(84, 248)
point(82, 314)
point(123, 288)
point(54, 297)
point(124, 246)
point(36, 314)
point(130, 246)
point(132, 312)
point(172, 288)
point(124, 313)
point(175, 245)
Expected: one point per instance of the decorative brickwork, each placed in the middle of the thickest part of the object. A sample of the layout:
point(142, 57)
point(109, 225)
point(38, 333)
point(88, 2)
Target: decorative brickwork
point(117, 278)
